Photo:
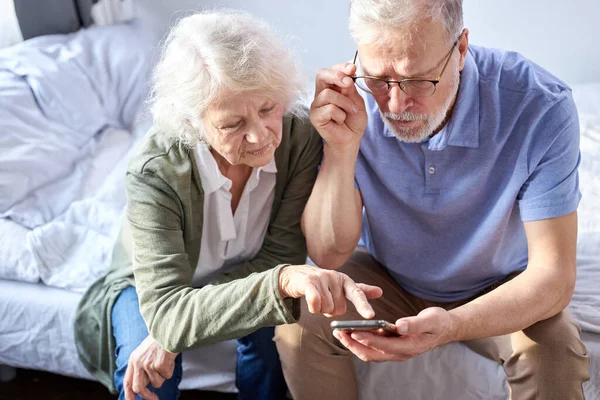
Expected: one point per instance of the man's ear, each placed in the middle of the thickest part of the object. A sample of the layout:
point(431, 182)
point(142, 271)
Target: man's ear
point(463, 47)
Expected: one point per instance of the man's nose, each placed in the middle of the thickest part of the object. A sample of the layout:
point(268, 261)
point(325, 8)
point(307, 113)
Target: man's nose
point(398, 101)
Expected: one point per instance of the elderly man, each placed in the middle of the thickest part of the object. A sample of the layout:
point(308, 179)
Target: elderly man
point(456, 167)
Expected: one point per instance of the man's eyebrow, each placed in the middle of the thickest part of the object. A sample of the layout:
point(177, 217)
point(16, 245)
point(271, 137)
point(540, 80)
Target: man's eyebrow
point(365, 72)
point(425, 74)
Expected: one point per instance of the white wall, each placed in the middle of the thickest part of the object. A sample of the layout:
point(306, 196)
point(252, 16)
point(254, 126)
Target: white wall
point(317, 29)
point(562, 36)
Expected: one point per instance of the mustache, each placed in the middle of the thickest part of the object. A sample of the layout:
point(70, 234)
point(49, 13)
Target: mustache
point(406, 116)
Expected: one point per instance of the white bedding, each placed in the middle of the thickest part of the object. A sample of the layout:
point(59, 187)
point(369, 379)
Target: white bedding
point(68, 105)
point(73, 249)
point(57, 93)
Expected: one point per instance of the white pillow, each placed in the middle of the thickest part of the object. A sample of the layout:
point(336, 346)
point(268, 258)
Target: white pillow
point(58, 92)
point(106, 12)
point(587, 99)
point(10, 32)
point(25, 19)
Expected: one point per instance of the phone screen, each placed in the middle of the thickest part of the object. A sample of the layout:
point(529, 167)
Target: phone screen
point(365, 325)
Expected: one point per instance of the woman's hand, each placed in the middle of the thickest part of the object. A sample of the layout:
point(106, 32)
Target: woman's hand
point(326, 291)
point(148, 363)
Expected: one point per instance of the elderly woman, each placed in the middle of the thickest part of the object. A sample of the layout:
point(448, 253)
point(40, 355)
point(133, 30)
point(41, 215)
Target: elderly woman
point(213, 237)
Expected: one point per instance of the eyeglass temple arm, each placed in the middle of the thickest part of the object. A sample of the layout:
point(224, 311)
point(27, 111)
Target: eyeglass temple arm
point(355, 57)
point(448, 59)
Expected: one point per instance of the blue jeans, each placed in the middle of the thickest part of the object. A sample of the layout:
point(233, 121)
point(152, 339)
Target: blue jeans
point(258, 372)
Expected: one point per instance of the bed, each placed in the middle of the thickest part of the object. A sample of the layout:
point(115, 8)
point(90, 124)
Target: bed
point(70, 115)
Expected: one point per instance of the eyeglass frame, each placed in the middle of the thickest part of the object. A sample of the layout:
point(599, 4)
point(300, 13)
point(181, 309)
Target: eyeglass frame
point(413, 79)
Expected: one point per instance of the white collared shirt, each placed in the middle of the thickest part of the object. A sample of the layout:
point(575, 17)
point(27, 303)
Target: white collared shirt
point(228, 239)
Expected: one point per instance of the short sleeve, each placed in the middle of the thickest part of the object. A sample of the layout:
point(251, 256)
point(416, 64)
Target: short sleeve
point(552, 188)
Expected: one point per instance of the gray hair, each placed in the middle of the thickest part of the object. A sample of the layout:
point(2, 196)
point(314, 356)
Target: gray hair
point(379, 17)
point(208, 52)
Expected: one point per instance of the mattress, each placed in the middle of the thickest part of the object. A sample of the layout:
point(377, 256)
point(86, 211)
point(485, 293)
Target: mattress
point(36, 332)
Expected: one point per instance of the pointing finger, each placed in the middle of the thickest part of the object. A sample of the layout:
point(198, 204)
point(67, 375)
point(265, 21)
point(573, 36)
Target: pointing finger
point(358, 298)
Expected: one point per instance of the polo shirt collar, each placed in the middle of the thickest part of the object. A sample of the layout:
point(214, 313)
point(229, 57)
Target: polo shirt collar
point(463, 126)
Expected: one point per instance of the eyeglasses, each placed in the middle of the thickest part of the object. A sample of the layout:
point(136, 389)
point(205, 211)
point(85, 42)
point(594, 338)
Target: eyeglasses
point(414, 87)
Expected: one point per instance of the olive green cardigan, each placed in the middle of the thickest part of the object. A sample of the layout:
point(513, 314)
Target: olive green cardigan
point(165, 205)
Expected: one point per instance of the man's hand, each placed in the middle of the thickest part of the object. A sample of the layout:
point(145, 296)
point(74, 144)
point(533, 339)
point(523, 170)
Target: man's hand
point(431, 328)
point(148, 363)
point(326, 291)
point(338, 112)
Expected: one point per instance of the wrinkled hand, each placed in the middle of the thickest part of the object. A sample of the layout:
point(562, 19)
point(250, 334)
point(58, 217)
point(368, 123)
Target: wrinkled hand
point(326, 291)
point(338, 111)
point(148, 363)
point(431, 328)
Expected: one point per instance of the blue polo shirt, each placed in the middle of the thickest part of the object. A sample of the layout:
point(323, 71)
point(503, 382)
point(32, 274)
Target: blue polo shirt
point(445, 216)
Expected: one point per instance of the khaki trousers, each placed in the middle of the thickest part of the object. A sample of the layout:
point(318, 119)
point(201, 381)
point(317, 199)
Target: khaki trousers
point(545, 361)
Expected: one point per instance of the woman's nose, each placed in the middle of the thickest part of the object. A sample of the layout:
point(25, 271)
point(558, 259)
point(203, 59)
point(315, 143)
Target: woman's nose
point(257, 134)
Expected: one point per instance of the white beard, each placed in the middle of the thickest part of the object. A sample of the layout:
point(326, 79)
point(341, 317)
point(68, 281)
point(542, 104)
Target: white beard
point(430, 124)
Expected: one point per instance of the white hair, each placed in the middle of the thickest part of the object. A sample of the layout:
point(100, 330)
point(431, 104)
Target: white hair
point(377, 22)
point(210, 52)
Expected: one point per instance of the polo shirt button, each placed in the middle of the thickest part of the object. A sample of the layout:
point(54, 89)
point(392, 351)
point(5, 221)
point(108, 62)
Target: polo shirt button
point(431, 170)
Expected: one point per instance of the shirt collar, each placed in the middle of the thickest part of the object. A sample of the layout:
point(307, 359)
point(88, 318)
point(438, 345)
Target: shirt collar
point(463, 126)
point(212, 178)
point(462, 129)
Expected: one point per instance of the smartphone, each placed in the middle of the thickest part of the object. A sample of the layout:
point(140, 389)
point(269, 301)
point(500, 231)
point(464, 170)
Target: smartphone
point(365, 325)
